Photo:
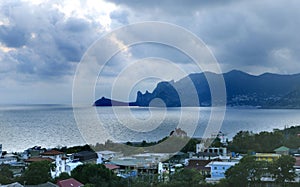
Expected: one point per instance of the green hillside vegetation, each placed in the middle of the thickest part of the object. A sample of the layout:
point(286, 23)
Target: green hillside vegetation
point(265, 142)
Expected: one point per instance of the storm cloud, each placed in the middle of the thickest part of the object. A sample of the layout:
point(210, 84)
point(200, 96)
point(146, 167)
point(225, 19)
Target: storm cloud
point(42, 42)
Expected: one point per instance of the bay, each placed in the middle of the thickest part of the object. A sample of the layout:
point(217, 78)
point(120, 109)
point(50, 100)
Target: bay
point(24, 126)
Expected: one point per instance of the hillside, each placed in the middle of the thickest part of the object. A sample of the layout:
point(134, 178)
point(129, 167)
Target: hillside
point(242, 89)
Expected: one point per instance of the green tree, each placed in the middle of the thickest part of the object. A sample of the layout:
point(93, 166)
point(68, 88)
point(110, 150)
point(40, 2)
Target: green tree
point(283, 170)
point(190, 146)
point(37, 173)
point(6, 174)
point(95, 174)
point(242, 142)
point(187, 177)
point(248, 170)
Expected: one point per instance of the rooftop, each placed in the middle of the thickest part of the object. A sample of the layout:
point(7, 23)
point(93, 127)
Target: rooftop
point(69, 183)
point(282, 149)
point(111, 166)
point(52, 153)
point(221, 163)
point(267, 155)
point(107, 152)
point(38, 159)
point(198, 164)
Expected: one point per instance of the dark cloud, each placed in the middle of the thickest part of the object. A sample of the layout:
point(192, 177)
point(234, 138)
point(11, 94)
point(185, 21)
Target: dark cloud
point(13, 36)
point(173, 6)
point(241, 33)
point(121, 16)
point(76, 25)
point(46, 42)
point(41, 42)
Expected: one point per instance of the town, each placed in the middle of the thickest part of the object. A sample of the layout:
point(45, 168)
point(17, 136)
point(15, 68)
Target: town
point(262, 159)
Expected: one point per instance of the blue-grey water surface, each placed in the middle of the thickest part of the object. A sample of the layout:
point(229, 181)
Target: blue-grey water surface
point(49, 126)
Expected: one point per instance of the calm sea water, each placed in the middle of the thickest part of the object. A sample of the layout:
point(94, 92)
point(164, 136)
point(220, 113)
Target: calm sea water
point(22, 127)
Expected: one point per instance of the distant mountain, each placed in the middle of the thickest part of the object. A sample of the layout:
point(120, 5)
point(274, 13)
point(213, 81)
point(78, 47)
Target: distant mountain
point(291, 100)
point(266, 90)
point(108, 102)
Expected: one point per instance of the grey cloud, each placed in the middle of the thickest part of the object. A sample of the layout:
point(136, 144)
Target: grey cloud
point(13, 36)
point(241, 33)
point(46, 42)
point(172, 6)
point(120, 16)
point(76, 25)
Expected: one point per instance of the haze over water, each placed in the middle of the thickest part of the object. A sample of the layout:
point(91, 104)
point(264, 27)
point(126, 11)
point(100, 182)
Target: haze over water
point(24, 126)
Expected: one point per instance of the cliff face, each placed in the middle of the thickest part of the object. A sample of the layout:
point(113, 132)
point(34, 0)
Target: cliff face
point(242, 89)
point(163, 95)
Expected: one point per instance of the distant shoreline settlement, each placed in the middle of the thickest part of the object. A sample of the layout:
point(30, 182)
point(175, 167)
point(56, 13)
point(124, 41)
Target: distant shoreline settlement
point(213, 163)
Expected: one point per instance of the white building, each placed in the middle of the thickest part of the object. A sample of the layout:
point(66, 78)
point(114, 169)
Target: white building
point(200, 147)
point(70, 165)
point(62, 163)
point(59, 159)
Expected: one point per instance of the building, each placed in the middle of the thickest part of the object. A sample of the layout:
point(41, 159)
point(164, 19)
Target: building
point(139, 163)
point(222, 151)
point(8, 159)
point(267, 156)
point(86, 156)
point(107, 155)
point(59, 159)
point(218, 169)
point(207, 156)
point(200, 147)
point(35, 151)
point(72, 164)
point(112, 167)
point(38, 159)
point(282, 150)
point(199, 165)
point(15, 184)
point(69, 183)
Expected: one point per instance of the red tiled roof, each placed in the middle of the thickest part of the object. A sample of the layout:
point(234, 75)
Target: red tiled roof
point(38, 159)
point(52, 153)
point(69, 183)
point(111, 166)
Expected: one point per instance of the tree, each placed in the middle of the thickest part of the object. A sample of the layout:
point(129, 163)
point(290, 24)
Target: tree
point(242, 142)
point(95, 174)
point(190, 146)
point(37, 173)
point(248, 170)
point(187, 177)
point(283, 170)
point(6, 174)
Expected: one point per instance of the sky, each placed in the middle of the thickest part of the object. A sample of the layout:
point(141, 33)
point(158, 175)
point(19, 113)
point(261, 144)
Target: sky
point(43, 42)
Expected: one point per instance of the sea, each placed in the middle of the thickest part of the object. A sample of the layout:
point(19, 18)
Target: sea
point(25, 126)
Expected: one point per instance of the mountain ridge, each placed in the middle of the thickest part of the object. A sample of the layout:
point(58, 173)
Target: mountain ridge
point(242, 89)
